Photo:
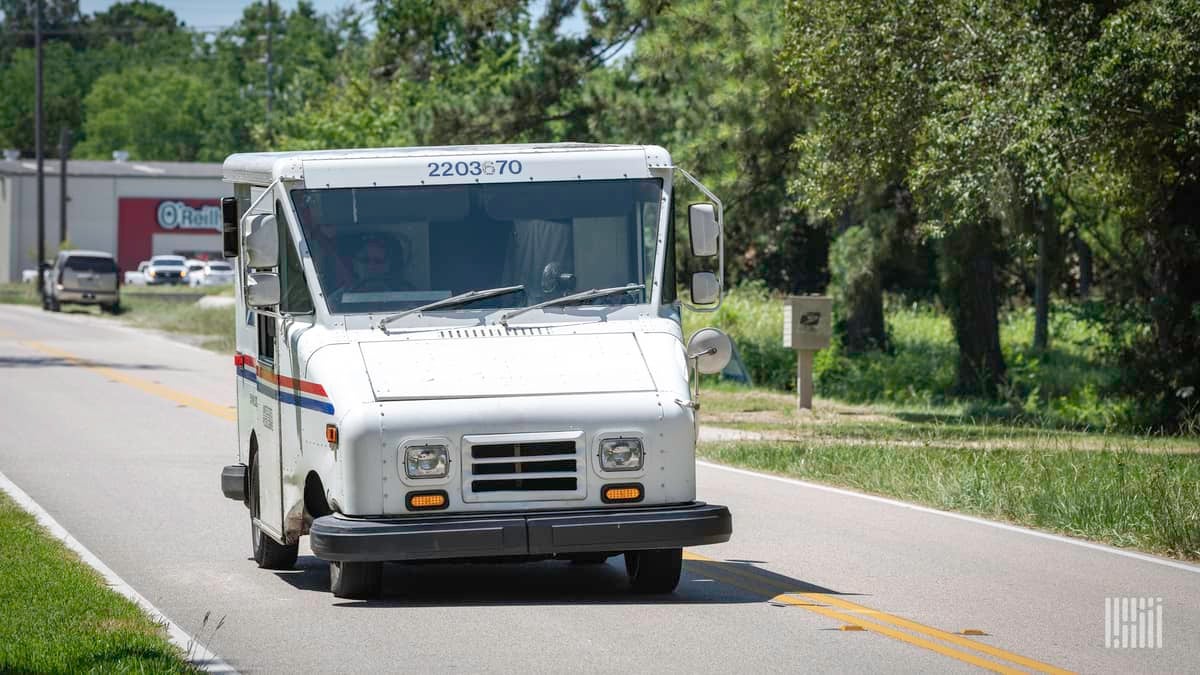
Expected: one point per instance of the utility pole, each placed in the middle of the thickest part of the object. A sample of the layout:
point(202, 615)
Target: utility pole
point(64, 149)
point(269, 31)
point(37, 143)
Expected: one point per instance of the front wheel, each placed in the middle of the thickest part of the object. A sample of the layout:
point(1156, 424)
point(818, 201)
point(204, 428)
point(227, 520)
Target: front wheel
point(355, 580)
point(268, 553)
point(654, 571)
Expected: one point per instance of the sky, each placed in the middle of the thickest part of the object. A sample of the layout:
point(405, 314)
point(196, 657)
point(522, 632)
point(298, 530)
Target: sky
point(208, 14)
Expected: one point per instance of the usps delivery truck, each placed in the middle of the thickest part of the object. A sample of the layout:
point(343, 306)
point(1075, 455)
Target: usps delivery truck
point(454, 353)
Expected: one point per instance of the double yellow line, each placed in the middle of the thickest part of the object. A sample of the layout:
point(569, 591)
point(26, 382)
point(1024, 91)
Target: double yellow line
point(852, 614)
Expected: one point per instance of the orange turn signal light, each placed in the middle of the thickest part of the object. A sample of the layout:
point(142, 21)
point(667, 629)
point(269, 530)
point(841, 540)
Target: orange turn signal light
point(427, 500)
point(331, 434)
point(621, 493)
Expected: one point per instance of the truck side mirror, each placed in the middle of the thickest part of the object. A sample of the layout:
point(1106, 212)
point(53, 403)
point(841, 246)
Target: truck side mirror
point(706, 289)
point(262, 289)
point(711, 348)
point(705, 232)
point(262, 242)
point(229, 226)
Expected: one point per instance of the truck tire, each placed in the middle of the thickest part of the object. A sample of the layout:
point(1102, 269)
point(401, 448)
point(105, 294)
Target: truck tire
point(654, 571)
point(355, 580)
point(268, 553)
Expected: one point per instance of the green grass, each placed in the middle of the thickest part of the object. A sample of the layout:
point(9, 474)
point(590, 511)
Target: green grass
point(1128, 490)
point(19, 294)
point(57, 616)
point(214, 325)
point(156, 307)
point(1066, 386)
point(1125, 498)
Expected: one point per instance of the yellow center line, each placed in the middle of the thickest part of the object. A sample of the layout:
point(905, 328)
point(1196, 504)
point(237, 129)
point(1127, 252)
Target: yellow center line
point(147, 386)
point(941, 634)
point(853, 613)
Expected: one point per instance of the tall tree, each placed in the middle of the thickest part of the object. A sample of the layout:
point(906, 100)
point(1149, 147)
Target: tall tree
point(1138, 87)
point(155, 113)
point(953, 100)
point(703, 81)
point(466, 72)
point(65, 80)
point(61, 22)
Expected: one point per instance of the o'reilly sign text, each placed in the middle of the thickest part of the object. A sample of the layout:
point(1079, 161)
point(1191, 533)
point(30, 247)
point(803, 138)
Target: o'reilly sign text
point(173, 215)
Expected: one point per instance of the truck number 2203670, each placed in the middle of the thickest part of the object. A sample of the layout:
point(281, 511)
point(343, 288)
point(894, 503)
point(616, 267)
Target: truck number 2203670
point(498, 167)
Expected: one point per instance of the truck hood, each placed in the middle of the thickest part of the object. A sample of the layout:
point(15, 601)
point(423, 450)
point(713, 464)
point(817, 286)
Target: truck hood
point(477, 367)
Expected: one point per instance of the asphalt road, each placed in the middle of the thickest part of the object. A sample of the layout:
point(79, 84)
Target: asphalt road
point(121, 435)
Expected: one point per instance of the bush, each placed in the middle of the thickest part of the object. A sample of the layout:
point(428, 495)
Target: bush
point(1071, 384)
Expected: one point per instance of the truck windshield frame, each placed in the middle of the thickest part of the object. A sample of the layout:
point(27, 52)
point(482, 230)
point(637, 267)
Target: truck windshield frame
point(391, 249)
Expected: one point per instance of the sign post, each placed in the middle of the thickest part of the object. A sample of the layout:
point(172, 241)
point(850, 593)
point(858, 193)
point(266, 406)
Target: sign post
point(807, 327)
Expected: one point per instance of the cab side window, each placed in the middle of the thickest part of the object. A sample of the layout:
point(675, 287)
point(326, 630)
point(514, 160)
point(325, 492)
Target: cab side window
point(295, 298)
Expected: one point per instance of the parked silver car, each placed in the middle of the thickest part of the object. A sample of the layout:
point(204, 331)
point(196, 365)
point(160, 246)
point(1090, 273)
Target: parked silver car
point(214, 273)
point(82, 278)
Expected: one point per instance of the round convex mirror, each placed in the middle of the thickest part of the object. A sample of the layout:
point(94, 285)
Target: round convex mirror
point(712, 350)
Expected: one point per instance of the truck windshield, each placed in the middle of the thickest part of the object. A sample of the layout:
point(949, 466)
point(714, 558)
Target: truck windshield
point(386, 249)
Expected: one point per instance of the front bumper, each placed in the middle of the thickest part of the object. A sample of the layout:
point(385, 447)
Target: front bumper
point(543, 533)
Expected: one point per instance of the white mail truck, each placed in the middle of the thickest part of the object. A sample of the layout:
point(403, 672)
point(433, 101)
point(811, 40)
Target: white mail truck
point(453, 353)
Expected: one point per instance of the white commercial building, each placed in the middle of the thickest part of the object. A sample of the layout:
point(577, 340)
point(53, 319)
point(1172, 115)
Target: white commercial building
point(129, 208)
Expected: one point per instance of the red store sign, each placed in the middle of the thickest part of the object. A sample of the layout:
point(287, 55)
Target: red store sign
point(140, 218)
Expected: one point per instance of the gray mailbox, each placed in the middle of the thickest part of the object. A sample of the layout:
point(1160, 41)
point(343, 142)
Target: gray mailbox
point(807, 327)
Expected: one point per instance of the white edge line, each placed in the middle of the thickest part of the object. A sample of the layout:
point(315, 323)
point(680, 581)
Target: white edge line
point(195, 653)
point(959, 516)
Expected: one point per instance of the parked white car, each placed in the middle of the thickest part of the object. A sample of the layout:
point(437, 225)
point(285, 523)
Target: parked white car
point(213, 273)
point(194, 268)
point(137, 278)
point(166, 269)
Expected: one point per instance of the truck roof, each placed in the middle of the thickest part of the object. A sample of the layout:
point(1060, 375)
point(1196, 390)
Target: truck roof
point(261, 168)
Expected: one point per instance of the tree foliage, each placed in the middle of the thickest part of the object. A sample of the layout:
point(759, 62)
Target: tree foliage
point(991, 152)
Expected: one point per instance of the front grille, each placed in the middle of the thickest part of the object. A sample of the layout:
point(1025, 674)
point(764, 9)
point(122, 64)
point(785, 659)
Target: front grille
point(503, 468)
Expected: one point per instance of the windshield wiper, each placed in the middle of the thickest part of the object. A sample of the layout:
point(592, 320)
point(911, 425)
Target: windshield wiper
point(574, 297)
point(461, 298)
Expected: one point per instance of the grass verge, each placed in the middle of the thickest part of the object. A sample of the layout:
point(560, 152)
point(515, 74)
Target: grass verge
point(19, 294)
point(213, 326)
point(165, 308)
point(57, 616)
point(1137, 500)
point(1132, 491)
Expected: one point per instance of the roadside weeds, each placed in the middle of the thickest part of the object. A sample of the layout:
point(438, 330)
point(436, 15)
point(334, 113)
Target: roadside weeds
point(57, 614)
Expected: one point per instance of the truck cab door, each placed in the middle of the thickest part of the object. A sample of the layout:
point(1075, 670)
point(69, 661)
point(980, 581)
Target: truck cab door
point(266, 432)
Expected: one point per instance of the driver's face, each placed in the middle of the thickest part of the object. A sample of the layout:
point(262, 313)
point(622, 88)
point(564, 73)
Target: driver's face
point(371, 261)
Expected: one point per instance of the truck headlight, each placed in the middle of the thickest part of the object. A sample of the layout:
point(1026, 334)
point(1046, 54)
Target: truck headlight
point(621, 454)
point(426, 461)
